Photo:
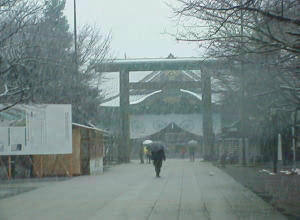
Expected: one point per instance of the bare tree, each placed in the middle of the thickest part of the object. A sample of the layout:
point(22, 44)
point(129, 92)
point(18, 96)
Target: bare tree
point(270, 29)
point(93, 47)
point(267, 23)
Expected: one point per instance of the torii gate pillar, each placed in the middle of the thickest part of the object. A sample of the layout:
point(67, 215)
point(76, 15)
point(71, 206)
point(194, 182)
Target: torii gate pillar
point(207, 123)
point(124, 144)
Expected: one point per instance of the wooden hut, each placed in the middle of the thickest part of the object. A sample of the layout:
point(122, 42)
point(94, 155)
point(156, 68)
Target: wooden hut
point(86, 158)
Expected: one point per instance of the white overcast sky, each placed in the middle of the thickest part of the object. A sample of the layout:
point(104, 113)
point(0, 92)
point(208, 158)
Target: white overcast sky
point(137, 26)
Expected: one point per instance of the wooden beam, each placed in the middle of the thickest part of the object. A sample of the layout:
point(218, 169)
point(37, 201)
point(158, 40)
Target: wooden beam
point(71, 165)
point(156, 64)
point(62, 163)
point(9, 167)
point(41, 167)
point(165, 85)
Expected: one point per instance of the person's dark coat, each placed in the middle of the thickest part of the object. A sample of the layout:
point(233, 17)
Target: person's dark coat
point(158, 155)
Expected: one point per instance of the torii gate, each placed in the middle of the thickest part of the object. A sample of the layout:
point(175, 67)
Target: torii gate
point(126, 66)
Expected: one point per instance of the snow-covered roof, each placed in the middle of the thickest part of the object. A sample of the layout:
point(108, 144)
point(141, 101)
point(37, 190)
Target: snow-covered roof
point(198, 96)
point(133, 99)
point(88, 127)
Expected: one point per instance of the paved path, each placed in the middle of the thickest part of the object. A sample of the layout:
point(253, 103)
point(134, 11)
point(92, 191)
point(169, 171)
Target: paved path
point(185, 191)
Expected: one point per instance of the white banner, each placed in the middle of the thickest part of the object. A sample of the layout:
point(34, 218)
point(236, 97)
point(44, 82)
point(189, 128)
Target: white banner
point(36, 129)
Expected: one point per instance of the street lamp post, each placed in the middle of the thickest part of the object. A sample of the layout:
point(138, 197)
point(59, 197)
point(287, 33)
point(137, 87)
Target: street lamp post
point(274, 134)
point(294, 136)
point(75, 37)
point(243, 115)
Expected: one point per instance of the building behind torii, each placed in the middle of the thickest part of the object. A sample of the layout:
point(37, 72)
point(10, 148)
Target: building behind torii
point(171, 82)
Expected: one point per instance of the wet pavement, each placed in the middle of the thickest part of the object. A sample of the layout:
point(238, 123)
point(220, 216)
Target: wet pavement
point(185, 191)
point(15, 187)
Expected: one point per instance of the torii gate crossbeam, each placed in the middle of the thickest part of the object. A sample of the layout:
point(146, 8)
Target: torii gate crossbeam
point(125, 66)
point(155, 64)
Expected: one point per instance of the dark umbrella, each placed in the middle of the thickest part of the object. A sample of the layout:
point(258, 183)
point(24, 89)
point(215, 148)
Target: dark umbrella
point(156, 146)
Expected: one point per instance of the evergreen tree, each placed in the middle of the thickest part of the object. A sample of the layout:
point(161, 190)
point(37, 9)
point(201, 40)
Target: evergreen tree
point(48, 69)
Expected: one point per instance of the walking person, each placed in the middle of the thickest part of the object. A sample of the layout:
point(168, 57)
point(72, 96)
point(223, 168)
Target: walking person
point(157, 155)
point(147, 154)
point(192, 149)
point(146, 151)
point(141, 153)
point(182, 152)
point(192, 153)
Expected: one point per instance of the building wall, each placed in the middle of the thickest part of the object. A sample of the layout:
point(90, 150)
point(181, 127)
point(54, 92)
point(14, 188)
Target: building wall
point(60, 164)
point(147, 124)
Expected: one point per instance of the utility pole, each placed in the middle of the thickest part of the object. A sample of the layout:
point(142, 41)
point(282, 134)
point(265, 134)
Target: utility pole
point(75, 38)
point(242, 95)
point(275, 140)
point(282, 8)
point(294, 136)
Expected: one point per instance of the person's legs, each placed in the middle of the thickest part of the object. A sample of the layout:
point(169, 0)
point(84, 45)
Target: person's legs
point(158, 165)
point(157, 168)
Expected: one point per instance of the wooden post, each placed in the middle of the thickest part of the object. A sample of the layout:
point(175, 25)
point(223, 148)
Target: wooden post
point(208, 148)
point(71, 165)
point(124, 146)
point(9, 167)
point(41, 167)
point(64, 166)
point(294, 143)
point(3, 164)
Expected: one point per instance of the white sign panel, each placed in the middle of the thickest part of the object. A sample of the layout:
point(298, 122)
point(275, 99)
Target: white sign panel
point(36, 129)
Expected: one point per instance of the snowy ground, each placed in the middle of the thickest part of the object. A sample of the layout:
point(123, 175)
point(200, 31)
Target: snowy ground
point(185, 191)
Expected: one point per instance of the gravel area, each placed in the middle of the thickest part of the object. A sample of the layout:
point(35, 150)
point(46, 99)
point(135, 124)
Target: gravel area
point(280, 190)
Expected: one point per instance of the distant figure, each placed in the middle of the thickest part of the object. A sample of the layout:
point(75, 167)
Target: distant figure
point(146, 151)
point(182, 152)
point(147, 154)
point(192, 149)
point(192, 153)
point(223, 159)
point(141, 153)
